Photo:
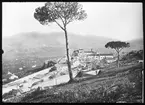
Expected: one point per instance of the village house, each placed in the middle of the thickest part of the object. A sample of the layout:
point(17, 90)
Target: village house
point(33, 66)
point(101, 56)
point(89, 52)
point(12, 76)
point(20, 68)
point(91, 55)
point(9, 73)
point(110, 60)
point(140, 61)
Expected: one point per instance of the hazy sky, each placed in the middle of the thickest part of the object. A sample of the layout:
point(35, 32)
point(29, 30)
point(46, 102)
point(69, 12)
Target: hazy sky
point(115, 20)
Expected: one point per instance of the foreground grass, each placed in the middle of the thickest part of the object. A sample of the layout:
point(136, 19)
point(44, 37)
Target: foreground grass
point(123, 84)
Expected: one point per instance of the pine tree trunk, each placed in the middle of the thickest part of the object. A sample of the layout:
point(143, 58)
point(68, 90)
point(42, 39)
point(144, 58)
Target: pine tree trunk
point(68, 59)
point(118, 61)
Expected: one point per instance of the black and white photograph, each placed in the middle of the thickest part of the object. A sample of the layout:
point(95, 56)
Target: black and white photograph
point(72, 52)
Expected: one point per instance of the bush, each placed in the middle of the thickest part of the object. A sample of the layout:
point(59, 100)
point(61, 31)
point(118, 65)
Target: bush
point(62, 73)
point(52, 76)
point(50, 64)
point(120, 89)
point(54, 68)
point(136, 55)
point(10, 94)
point(80, 74)
point(32, 95)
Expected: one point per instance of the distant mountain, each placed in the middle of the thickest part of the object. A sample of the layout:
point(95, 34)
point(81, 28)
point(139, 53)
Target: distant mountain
point(27, 49)
point(31, 44)
point(137, 44)
point(53, 44)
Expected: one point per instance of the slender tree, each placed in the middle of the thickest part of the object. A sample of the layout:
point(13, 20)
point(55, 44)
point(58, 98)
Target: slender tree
point(118, 46)
point(61, 13)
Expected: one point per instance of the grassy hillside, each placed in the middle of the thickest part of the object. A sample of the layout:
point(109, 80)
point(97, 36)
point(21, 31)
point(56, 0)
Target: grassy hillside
point(110, 86)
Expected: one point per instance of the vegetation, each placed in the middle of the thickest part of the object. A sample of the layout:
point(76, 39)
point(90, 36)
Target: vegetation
point(52, 76)
point(118, 46)
point(122, 84)
point(11, 93)
point(65, 12)
point(62, 73)
point(137, 55)
point(53, 69)
point(112, 85)
point(27, 72)
point(75, 53)
point(49, 64)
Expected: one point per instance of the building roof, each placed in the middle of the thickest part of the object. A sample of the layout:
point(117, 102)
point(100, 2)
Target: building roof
point(80, 49)
point(92, 55)
point(104, 54)
point(100, 54)
point(88, 51)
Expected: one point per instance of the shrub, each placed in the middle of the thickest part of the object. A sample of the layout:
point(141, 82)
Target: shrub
point(120, 89)
point(62, 73)
point(11, 93)
point(32, 95)
point(136, 55)
point(80, 74)
point(50, 64)
point(52, 76)
point(54, 68)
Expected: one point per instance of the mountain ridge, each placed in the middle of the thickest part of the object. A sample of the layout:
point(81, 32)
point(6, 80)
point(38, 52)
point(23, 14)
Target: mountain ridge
point(55, 42)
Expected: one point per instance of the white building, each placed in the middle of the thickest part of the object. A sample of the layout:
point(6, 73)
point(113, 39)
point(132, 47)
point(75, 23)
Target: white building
point(33, 66)
point(100, 56)
point(20, 68)
point(13, 76)
point(110, 60)
point(76, 63)
point(9, 72)
point(140, 61)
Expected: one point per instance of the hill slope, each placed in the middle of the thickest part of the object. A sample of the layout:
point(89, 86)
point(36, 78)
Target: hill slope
point(110, 86)
point(26, 48)
point(55, 43)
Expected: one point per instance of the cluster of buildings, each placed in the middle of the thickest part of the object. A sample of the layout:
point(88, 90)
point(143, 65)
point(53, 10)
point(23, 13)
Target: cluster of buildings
point(89, 55)
point(84, 58)
point(10, 76)
point(93, 55)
